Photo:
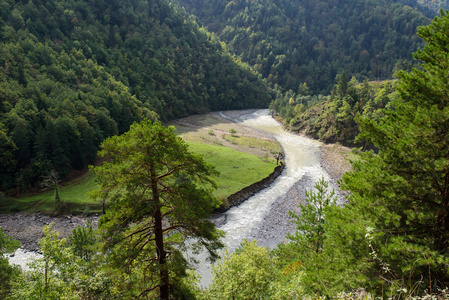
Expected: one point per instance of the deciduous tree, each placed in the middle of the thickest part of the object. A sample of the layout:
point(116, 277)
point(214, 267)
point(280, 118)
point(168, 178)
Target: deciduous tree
point(246, 273)
point(7, 272)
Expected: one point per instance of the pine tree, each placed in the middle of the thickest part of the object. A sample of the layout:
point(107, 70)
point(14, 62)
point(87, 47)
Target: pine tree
point(405, 187)
point(159, 197)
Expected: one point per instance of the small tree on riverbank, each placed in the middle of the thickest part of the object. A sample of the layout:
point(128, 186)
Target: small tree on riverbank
point(52, 181)
point(310, 221)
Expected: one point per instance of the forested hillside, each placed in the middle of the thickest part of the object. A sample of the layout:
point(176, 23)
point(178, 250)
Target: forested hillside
point(332, 119)
point(75, 72)
point(435, 5)
point(291, 42)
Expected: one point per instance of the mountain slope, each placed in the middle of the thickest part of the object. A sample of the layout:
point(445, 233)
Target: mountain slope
point(75, 72)
point(295, 41)
point(435, 5)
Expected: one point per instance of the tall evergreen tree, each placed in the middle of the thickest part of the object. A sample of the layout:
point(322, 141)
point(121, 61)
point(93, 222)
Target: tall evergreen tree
point(159, 198)
point(404, 190)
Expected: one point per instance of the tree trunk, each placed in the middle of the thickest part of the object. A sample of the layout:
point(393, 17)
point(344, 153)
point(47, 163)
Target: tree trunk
point(161, 255)
point(443, 218)
point(159, 236)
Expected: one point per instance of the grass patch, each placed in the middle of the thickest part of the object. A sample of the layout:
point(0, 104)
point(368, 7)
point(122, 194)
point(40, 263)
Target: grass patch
point(73, 196)
point(269, 145)
point(237, 169)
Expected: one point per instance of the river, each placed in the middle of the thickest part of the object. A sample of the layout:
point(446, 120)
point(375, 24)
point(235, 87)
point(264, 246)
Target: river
point(261, 216)
point(256, 218)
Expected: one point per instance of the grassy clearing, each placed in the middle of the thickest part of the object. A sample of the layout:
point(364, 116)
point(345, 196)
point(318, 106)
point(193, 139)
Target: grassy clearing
point(237, 169)
point(251, 142)
point(73, 195)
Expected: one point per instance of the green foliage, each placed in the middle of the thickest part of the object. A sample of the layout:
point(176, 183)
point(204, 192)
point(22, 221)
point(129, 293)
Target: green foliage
point(83, 241)
point(248, 272)
point(332, 119)
point(398, 195)
point(8, 273)
point(310, 222)
point(65, 272)
point(295, 42)
point(52, 181)
point(412, 157)
point(160, 195)
point(435, 5)
point(301, 260)
point(46, 280)
point(75, 73)
point(74, 195)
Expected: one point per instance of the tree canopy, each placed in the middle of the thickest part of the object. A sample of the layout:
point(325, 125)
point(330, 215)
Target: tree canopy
point(291, 42)
point(161, 198)
point(332, 118)
point(393, 234)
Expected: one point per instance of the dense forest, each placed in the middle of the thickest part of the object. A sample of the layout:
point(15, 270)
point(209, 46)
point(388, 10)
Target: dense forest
point(292, 42)
point(78, 76)
point(75, 72)
point(435, 5)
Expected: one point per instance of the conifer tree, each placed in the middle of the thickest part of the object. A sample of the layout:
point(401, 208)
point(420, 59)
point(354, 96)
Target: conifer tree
point(310, 232)
point(160, 196)
point(404, 189)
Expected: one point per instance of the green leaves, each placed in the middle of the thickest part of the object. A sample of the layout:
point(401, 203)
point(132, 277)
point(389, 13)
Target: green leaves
point(403, 191)
point(7, 272)
point(246, 273)
point(67, 271)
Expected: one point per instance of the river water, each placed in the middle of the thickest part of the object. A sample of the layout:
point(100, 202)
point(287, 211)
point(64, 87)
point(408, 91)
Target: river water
point(302, 159)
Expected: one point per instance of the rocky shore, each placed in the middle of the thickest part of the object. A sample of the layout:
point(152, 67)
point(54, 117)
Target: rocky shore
point(27, 228)
point(278, 220)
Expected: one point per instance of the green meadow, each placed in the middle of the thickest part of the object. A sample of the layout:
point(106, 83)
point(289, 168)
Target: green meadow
point(73, 194)
point(237, 170)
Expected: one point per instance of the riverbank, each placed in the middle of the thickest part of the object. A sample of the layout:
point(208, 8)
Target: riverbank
point(334, 162)
point(27, 228)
